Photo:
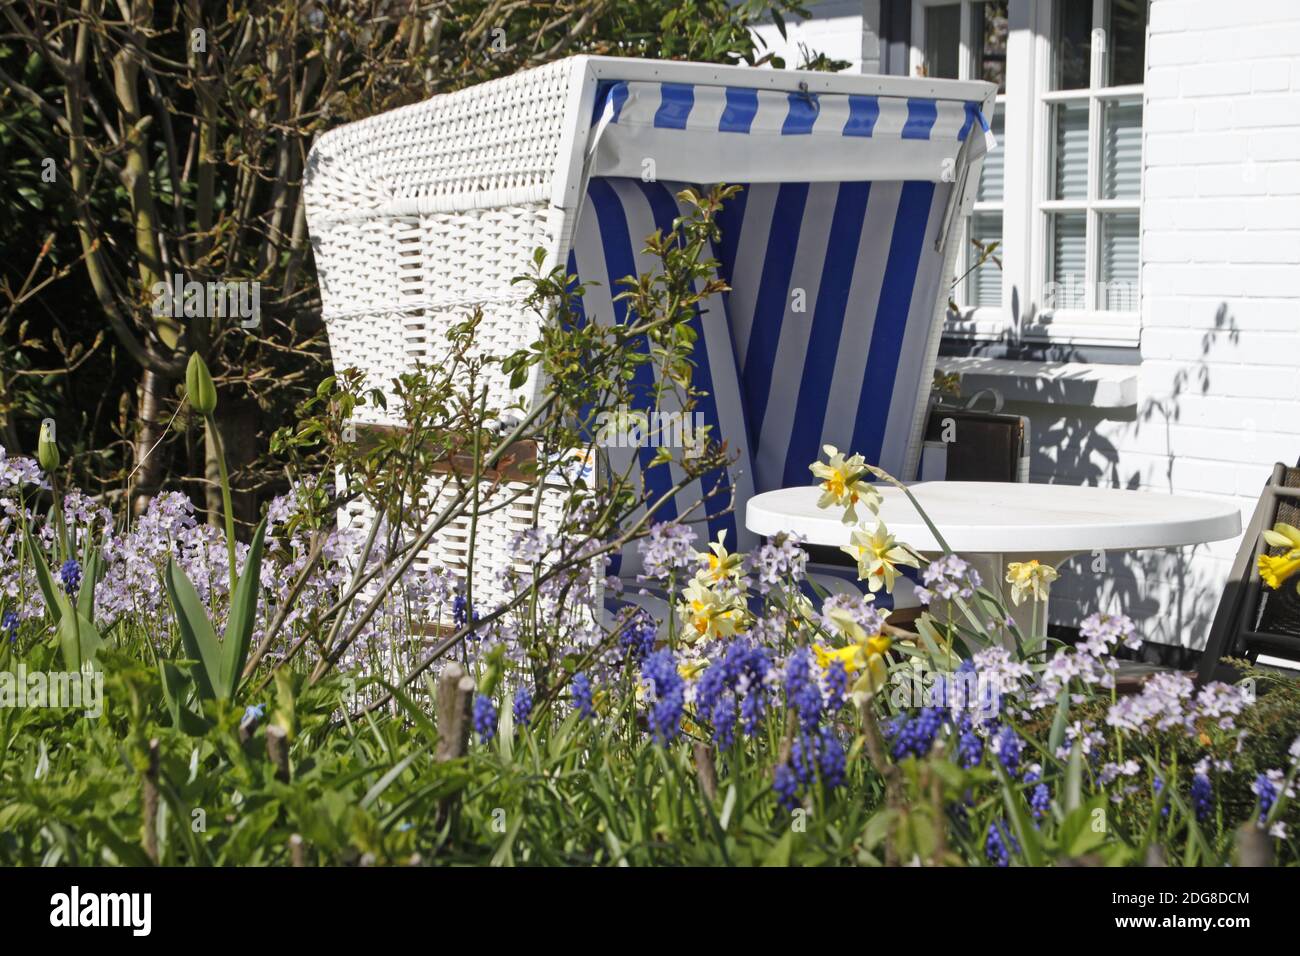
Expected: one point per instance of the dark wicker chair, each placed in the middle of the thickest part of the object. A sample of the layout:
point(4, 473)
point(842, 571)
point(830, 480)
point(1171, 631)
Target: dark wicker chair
point(1251, 618)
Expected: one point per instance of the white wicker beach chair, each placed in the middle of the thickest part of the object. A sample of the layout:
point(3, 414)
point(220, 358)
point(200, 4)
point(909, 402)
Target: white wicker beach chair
point(837, 250)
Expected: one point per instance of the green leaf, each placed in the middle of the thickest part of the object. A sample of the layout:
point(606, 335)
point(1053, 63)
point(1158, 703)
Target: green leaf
point(1026, 835)
point(779, 855)
point(78, 640)
point(92, 566)
point(55, 600)
point(1058, 722)
point(1077, 835)
point(243, 614)
point(197, 635)
point(176, 687)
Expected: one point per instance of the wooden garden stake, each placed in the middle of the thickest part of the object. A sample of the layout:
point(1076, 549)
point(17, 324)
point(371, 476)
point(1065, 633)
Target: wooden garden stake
point(297, 850)
point(1254, 848)
point(277, 749)
point(455, 694)
point(149, 804)
point(705, 770)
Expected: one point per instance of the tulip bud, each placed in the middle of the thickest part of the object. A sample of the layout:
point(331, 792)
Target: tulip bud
point(47, 449)
point(199, 388)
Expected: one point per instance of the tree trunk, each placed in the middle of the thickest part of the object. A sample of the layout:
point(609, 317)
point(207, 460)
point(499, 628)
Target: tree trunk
point(147, 478)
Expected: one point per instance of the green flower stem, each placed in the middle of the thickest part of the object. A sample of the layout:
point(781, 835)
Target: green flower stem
point(214, 436)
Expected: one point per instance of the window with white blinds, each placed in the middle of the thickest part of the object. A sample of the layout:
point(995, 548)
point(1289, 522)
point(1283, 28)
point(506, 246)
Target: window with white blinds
point(1088, 220)
point(1051, 251)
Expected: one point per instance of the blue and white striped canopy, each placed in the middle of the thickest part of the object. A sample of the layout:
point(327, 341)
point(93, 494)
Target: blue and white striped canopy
point(828, 334)
point(696, 133)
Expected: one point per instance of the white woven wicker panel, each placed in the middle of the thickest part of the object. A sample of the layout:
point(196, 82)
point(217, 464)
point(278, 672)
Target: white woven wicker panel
point(500, 135)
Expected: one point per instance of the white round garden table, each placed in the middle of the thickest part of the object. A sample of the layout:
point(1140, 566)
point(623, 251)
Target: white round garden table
point(993, 523)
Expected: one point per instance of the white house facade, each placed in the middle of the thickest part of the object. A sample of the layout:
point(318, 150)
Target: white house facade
point(1142, 304)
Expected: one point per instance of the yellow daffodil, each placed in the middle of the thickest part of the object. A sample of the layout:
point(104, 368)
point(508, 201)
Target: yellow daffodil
point(842, 484)
point(878, 555)
point(692, 667)
point(866, 655)
point(850, 656)
point(1029, 577)
point(1277, 569)
point(720, 565)
point(705, 614)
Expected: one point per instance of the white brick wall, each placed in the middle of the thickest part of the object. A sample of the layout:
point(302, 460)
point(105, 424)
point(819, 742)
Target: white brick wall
point(1219, 384)
point(842, 29)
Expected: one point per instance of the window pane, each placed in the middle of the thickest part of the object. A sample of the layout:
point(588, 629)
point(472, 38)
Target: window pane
point(1073, 44)
point(986, 276)
point(942, 41)
point(1126, 34)
point(1071, 150)
point(991, 179)
point(991, 42)
point(1069, 262)
point(1121, 150)
point(1119, 262)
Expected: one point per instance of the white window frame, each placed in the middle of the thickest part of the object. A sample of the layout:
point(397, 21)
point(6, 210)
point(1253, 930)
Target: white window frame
point(1029, 161)
point(970, 322)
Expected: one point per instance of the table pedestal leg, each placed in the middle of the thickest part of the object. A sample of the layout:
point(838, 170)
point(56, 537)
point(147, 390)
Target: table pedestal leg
point(1032, 616)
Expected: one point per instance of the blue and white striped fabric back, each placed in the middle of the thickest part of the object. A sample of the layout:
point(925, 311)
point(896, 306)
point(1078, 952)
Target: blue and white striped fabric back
point(608, 246)
point(832, 313)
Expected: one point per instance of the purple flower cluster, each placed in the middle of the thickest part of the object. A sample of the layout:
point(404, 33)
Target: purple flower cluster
point(802, 691)
point(914, 736)
point(1007, 747)
point(734, 681)
point(523, 705)
point(580, 688)
point(484, 718)
point(1000, 844)
point(1202, 796)
point(637, 636)
point(666, 691)
point(70, 575)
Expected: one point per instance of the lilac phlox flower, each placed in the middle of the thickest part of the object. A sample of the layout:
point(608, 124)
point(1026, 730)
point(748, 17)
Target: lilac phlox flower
point(1112, 771)
point(777, 560)
point(1101, 632)
point(1160, 704)
point(948, 577)
point(1222, 702)
point(859, 608)
point(667, 550)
